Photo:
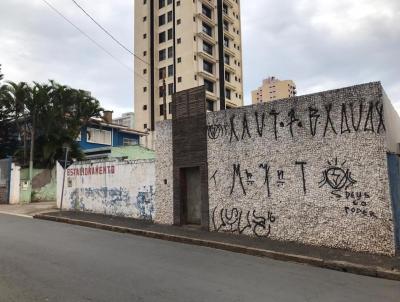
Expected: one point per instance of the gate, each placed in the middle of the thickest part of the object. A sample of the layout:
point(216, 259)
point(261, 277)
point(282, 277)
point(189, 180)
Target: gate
point(5, 171)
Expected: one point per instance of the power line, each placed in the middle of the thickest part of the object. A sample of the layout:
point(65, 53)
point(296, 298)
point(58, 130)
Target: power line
point(102, 28)
point(108, 33)
point(86, 35)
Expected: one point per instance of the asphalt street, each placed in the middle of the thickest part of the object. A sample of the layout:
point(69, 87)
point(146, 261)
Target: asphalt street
point(48, 261)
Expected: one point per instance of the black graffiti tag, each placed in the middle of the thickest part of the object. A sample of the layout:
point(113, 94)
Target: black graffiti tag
point(336, 177)
point(235, 220)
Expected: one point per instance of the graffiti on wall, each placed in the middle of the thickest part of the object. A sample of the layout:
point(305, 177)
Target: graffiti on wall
point(145, 202)
point(354, 117)
point(336, 177)
point(114, 201)
point(244, 178)
point(235, 220)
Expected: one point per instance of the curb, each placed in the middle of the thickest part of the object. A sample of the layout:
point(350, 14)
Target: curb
point(342, 266)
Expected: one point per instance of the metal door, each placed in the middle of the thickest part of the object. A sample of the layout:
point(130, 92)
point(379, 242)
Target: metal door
point(193, 195)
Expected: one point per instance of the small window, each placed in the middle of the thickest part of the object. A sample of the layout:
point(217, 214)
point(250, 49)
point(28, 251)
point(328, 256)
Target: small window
point(130, 142)
point(207, 11)
point(161, 20)
point(208, 66)
point(209, 85)
point(210, 105)
point(162, 55)
point(208, 48)
point(170, 70)
point(207, 29)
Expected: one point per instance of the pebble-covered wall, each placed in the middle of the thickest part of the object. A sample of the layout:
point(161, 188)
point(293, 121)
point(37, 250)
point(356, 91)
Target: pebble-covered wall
point(312, 169)
point(164, 175)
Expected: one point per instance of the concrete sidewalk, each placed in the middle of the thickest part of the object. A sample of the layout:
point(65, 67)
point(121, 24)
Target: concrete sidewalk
point(29, 209)
point(336, 259)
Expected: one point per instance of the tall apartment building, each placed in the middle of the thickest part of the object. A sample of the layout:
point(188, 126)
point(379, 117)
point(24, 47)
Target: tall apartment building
point(127, 120)
point(192, 42)
point(273, 89)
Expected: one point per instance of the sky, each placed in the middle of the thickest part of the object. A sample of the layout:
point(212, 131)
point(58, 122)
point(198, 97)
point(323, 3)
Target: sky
point(320, 44)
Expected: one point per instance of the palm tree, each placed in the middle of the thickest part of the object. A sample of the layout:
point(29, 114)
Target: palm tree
point(16, 96)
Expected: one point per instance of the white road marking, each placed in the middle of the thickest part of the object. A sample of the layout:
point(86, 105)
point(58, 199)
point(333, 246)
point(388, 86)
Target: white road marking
point(18, 215)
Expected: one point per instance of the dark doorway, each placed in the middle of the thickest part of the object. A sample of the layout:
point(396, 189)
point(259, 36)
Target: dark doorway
point(191, 194)
point(5, 167)
point(189, 139)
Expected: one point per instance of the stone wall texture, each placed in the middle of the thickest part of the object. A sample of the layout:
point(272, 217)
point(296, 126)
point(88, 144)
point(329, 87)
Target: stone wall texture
point(311, 169)
point(164, 175)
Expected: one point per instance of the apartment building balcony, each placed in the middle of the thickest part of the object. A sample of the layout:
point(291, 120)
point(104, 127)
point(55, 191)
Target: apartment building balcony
point(230, 51)
point(211, 96)
point(229, 18)
point(207, 56)
point(230, 68)
point(206, 19)
point(231, 103)
point(229, 3)
point(206, 37)
point(228, 34)
point(207, 75)
point(230, 85)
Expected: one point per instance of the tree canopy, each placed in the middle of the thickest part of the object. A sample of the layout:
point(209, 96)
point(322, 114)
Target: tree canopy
point(50, 113)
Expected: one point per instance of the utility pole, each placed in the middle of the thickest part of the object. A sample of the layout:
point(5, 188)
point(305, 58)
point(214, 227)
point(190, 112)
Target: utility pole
point(65, 172)
point(164, 97)
point(32, 150)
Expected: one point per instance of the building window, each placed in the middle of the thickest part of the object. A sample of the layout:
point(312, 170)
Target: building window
point(98, 136)
point(161, 3)
point(170, 89)
point(207, 29)
point(226, 42)
point(170, 52)
point(226, 25)
point(161, 110)
point(227, 59)
point(210, 105)
point(209, 85)
point(225, 9)
point(227, 76)
point(169, 16)
point(170, 34)
point(161, 73)
point(208, 66)
point(207, 11)
point(162, 55)
point(208, 48)
point(228, 93)
point(130, 142)
point(161, 37)
point(161, 20)
point(170, 107)
point(170, 70)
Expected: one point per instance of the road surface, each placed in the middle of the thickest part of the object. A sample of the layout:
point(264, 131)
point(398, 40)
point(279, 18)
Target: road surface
point(48, 261)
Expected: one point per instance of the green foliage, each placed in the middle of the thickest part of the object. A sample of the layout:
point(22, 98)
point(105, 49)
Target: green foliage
point(52, 113)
